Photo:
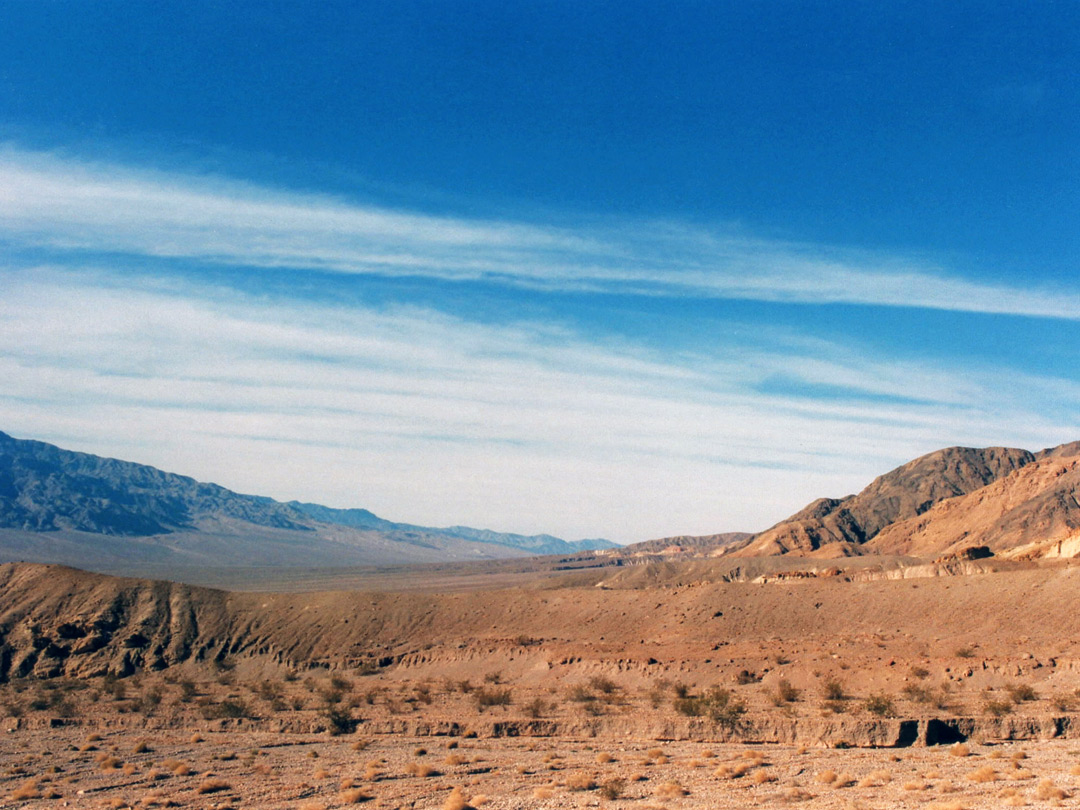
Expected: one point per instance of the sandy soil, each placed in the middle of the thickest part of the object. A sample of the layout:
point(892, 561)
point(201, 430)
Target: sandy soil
point(72, 767)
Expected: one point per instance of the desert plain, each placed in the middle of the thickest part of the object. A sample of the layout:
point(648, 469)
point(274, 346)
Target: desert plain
point(707, 682)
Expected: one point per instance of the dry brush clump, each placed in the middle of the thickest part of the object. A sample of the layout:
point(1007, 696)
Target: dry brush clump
point(784, 694)
point(1048, 791)
point(880, 704)
point(485, 698)
point(421, 770)
point(612, 789)
point(212, 785)
point(30, 789)
point(353, 795)
point(1021, 692)
point(717, 704)
point(984, 774)
point(670, 790)
point(580, 780)
point(996, 707)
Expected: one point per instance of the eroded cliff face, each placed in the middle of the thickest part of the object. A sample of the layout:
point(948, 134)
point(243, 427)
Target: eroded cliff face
point(58, 621)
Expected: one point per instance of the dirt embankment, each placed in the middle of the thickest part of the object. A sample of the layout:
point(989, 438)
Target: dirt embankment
point(55, 620)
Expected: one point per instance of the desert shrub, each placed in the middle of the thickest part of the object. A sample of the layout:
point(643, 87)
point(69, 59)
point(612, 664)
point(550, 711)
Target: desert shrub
point(340, 721)
point(340, 684)
point(270, 690)
point(881, 705)
point(670, 790)
point(188, 690)
point(232, 708)
point(421, 770)
point(612, 789)
point(1048, 791)
point(716, 703)
point(109, 763)
point(212, 786)
point(964, 652)
point(579, 693)
point(746, 677)
point(833, 690)
point(331, 696)
point(535, 708)
point(920, 672)
point(485, 697)
point(785, 693)
point(918, 693)
point(997, 708)
point(13, 708)
point(493, 677)
point(150, 700)
point(761, 777)
point(605, 686)
point(114, 686)
point(580, 781)
point(1063, 703)
point(1019, 692)
point(30, 789)
point(62, 706)
point(983, 774)
point(456, 800)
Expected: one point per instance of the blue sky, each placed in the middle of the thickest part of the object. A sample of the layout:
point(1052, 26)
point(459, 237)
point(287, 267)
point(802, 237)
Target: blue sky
point(596, 269)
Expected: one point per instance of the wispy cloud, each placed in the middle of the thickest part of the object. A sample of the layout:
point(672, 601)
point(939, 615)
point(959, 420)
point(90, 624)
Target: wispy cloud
point(65, 204)
point(432, 418)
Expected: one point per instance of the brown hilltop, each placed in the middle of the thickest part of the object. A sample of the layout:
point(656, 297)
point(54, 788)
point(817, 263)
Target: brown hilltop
point(1034, 512)
point(941, 503)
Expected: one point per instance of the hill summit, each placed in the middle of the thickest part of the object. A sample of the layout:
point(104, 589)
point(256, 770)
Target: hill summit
point(1014, 502)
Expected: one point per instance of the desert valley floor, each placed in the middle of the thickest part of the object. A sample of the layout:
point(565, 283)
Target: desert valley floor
point(870, 683)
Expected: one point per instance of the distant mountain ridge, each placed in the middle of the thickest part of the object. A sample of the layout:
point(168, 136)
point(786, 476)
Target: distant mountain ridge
point(46, 489)
point(536, 543)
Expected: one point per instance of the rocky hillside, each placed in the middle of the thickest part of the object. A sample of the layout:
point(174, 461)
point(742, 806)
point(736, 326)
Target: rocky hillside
point(1032, 513)
point(45, 488)
point(940, 503)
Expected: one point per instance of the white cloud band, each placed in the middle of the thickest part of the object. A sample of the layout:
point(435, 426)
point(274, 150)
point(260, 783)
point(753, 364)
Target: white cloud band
point(65, 204)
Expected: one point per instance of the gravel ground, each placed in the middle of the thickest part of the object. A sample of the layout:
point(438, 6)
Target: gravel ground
point(76, 767)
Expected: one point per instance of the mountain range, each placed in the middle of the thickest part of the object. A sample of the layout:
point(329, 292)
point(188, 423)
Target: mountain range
point(57, 505)
point(105, 514)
